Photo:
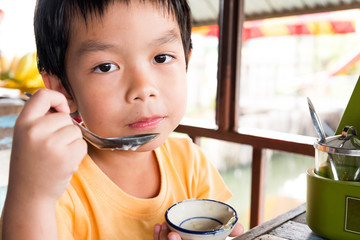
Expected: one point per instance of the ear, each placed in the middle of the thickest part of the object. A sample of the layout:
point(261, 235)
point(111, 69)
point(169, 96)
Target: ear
point(54, 83)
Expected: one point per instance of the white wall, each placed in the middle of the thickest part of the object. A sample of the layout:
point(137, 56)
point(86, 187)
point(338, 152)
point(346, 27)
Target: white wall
point(16, 28)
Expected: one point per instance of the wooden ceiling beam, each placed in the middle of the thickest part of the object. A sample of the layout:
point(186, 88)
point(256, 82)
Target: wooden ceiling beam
point(294, 12)
point(286, 13)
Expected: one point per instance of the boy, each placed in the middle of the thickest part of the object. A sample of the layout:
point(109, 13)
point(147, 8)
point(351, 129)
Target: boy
point(122, 66)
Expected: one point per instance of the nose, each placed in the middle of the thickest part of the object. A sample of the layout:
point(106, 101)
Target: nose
point(142, 86)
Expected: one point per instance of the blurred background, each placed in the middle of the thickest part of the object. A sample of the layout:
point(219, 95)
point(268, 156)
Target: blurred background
point(283, 61)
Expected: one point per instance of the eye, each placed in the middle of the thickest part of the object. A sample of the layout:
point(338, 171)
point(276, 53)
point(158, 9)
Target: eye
point(105, 67)
point(163, 58)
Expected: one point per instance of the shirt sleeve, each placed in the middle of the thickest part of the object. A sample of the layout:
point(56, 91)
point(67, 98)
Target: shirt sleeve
point(208, 181)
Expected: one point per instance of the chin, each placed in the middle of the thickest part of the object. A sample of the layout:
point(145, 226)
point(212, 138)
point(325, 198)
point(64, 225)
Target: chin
point(150, 146)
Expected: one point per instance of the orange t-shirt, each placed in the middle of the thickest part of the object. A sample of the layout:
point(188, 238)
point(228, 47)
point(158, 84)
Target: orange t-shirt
point(93, 207)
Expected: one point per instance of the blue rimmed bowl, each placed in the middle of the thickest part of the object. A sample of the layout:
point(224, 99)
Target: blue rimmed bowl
point(196, 219)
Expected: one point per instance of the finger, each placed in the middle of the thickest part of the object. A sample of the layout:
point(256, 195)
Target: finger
point(157, 229)
point(65, 136)
point(164, 231)
point(174, 236)
point(237, 231)
point(42, 101)
point(49, 127)
point(54, 120)
point(78, 149)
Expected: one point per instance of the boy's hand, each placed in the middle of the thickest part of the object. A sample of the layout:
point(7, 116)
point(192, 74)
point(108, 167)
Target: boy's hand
point(237, 230)
point(162, 232)
point(47, 147)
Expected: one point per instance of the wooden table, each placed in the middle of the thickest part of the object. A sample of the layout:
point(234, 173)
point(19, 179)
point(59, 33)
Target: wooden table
point(289, 226)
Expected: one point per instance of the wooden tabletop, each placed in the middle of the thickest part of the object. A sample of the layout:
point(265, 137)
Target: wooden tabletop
point(289, 226)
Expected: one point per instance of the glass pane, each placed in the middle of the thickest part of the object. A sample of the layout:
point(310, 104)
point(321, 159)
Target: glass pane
point(202, 77)
point(284, 190)
point(285, 60)
point(285, 182)
point(234, 164)
point(3, 190)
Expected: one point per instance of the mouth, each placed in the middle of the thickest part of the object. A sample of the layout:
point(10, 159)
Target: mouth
point(147, 123)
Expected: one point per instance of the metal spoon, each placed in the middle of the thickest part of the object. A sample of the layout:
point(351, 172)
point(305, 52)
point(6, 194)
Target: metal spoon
point(320, 130)
point(117, 143)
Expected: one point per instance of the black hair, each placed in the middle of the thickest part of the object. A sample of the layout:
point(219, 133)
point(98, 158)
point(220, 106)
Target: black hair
point(52, 20)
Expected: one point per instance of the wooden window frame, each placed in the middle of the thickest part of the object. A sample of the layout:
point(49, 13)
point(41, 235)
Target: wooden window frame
point(231, 20)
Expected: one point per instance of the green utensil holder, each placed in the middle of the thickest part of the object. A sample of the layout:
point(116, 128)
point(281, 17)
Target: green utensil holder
point(333, 207)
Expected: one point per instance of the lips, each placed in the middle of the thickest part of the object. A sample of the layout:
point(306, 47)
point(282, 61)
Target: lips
point(148, 123)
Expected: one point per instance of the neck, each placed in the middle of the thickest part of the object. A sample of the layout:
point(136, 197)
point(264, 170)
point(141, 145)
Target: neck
point(136, 173)
point(118, 157)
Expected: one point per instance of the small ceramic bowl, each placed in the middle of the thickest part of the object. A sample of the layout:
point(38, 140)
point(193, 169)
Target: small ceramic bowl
point(196, 219)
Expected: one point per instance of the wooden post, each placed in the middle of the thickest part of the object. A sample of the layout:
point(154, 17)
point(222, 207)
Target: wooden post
point(231, 20)
point(257, 187)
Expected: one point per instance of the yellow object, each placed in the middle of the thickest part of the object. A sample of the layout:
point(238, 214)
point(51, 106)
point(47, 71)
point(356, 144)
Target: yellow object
point(14, 64)
point(22, 73)
point(11, 84)
point(26, 67)
point(34, 82)
point(94, 207)
point(4, 64)
point(33, 71)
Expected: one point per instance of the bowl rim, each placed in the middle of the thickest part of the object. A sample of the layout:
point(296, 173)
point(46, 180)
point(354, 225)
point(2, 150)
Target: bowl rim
point(209, 232)
point(312, 173)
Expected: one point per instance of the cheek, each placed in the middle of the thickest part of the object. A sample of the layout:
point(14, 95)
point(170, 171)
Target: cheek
point(90, 107)
point(179, 101)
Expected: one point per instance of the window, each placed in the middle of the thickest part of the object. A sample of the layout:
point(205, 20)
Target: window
point(261, 109)
point(285, 60)
point(202, 77)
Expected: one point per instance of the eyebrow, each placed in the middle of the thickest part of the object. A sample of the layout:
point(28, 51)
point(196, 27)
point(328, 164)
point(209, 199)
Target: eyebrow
point(170, 36)
point(93, 46)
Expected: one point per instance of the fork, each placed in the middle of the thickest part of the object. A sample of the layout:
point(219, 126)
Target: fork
point(132, 142)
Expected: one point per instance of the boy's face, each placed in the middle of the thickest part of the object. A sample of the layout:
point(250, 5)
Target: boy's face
point(127, 71)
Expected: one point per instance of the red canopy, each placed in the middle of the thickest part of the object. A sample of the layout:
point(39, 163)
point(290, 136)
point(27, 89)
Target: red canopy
point(1, 15)
point(311, 24)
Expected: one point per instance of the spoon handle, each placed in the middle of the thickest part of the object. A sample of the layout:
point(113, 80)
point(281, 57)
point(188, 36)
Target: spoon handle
point(316, 121)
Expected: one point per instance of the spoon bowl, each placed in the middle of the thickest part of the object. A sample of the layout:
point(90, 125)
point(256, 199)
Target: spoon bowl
point(116, 143)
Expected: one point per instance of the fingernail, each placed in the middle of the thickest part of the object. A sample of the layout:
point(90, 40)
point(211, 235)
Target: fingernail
point(172, 237)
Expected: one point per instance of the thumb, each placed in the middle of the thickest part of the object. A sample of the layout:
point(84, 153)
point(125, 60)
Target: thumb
point(174, 236)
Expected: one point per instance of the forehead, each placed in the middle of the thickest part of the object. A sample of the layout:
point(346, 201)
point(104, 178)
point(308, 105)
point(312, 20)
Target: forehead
point(88, 17)
point(121, 27)
point(96, 9)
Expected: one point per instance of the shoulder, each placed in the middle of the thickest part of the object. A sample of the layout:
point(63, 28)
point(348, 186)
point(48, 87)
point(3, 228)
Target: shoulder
point(181, 152)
